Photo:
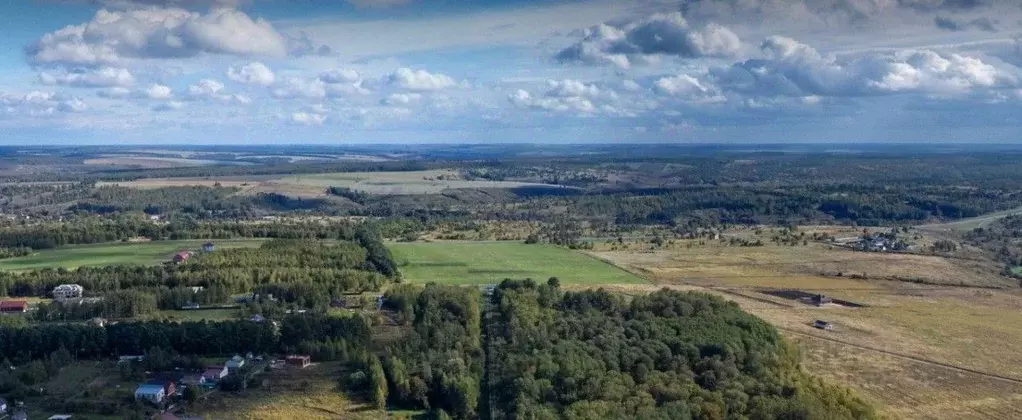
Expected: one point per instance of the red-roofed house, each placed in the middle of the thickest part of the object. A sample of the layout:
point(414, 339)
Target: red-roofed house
point(213, 375)
point(13, 306)
point(182, 256)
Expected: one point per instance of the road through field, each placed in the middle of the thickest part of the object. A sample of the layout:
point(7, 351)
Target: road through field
point(970, 223)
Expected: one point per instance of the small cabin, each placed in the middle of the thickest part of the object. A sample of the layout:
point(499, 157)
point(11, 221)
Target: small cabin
point(13, 306)
point(182, 256)
point(298, 361)
point(823, 325)
point(820, 300)
point(208, 247)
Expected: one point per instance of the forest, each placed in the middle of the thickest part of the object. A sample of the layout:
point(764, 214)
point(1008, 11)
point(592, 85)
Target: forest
point(668, 355)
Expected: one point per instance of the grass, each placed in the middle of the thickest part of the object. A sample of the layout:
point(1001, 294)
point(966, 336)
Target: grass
point(143, 253)
point(305, 394)
point(491, 262)
point(197, 315)
point(962, 326)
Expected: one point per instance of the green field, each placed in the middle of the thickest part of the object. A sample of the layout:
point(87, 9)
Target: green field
point(145, 253)
point(491, 262)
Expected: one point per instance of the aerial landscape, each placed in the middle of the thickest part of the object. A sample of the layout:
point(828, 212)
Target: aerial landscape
point(520, 209)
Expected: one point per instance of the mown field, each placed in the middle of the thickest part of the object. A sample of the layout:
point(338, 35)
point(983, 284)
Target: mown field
point(492, 262)
point(939, 350)
point(143, 253)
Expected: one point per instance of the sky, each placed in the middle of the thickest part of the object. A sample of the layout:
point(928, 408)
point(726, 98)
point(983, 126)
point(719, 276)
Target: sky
point(77, 72)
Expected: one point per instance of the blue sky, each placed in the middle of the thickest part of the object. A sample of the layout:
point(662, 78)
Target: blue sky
point(487, 71)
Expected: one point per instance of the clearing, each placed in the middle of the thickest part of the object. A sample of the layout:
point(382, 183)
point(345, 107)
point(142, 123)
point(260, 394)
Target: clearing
point(143, 253)
point(492, 262)
point(288, 393)
point(940, 350)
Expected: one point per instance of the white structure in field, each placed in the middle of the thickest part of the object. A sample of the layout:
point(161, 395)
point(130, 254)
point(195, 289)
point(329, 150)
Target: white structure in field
point(67, 292)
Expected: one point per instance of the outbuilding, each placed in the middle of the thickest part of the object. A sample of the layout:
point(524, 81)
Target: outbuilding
point(153, 393)
point(13, 306)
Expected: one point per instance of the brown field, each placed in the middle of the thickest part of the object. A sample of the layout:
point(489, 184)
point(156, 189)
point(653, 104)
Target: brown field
point(935, 351)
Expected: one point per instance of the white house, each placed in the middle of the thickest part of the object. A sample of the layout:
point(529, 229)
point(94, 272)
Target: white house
point(152, 393)
point(213, 375)
point(67, 292)
point(235, 363)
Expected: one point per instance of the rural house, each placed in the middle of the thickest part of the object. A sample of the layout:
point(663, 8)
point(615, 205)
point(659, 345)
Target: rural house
point(182, 256)
point(213, 375)
point(168, 385)
point(67, 292)
point(13, 306)
point(235, 363)
point(152, 393)
point(298, 361)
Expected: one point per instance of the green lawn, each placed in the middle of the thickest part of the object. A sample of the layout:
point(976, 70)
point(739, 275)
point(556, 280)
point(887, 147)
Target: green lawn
point(146, 253)
point(492, 262)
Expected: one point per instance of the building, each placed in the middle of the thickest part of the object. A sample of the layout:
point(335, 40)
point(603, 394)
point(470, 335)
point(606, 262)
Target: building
point(130, 359)
point(213, 375)
point(823, 325)
point(168, 385)
point(208, 247)
point(298, 361)
point(820, 300)
point(259, 319)
point(152, 393)
point(13, 306)
point(190, 305)
point(235, 363)
point(3, 405)
point(60, 417)
point(20, 415)
point(97, 321)
point(67, 292)
point(182, 256)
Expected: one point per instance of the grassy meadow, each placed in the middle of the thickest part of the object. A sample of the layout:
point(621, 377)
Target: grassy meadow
point(142, 253)
point(492, 262)
point(894, 350)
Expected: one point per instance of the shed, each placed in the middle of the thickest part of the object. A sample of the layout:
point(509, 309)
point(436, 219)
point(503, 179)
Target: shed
point(298, 361)
point(13, 306)
point(182, 256)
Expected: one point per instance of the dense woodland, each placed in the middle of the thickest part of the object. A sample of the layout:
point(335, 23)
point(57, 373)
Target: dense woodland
point(668, 355)
point(307, 273)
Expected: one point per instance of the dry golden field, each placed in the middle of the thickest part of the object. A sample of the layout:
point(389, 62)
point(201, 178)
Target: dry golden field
point(922, 346)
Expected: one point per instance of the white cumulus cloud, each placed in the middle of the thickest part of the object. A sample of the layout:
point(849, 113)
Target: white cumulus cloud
point(254, 73)
point(642, 41)
point(307, 118)
point(114, 36)
point(792, 68)
point(101, 77)
point(421, 80)
point(159, 92)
